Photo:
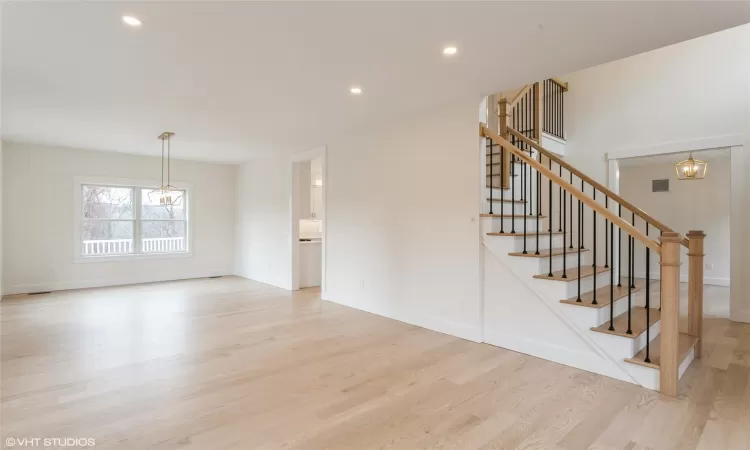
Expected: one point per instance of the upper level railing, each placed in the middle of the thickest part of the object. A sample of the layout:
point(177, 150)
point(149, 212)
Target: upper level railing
point(554, 107)
point(551, 186)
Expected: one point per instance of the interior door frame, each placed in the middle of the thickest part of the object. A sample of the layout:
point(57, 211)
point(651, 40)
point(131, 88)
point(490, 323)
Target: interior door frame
point(297, 159)
point(736, 145)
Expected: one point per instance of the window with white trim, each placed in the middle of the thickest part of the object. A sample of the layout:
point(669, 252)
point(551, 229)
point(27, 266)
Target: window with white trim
point(131, 220)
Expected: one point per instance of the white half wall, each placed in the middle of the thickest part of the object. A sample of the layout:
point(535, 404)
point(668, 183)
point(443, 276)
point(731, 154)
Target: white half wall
point(693, 91)
point(402, 230)
point(38, 223)
point(264, 222)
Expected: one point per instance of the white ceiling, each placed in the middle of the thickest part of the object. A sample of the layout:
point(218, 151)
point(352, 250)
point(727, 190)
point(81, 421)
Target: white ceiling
point(242, 80)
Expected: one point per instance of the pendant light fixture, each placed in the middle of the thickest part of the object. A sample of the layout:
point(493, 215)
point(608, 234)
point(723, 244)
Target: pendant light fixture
point(168, 194)
point(691, 169)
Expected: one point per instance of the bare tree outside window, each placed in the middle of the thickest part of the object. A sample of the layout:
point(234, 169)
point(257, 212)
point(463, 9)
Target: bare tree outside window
point(117, 221)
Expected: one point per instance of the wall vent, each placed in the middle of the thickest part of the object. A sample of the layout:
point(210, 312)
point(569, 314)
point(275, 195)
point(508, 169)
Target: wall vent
point(660, 185)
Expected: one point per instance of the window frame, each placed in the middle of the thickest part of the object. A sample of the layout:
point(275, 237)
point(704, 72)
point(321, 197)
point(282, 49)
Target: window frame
point(137, 186)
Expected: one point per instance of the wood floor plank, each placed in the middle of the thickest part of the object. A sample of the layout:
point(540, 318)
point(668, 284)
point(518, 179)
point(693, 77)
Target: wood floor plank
point(231, 363)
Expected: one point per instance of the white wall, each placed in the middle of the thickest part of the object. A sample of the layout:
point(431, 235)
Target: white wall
point(38, 195)
point(402, 236)
point(264, 215)
point(1, 151)
point(689, 205)
point(690, 91)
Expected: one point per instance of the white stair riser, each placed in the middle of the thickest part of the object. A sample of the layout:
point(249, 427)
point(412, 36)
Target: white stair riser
point(515, 242)
point(497, 224)
point(593, 317)
point(649, 377)
point(561, 290)
point(508, 194)
point(620, 347)
point(557, 242)
point(505, 208)
point(571, 260)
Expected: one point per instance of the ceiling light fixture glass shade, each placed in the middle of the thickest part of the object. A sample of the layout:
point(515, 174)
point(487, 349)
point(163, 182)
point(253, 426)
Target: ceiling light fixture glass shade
point(132, 21)
point(691, 169)
point(168, 194)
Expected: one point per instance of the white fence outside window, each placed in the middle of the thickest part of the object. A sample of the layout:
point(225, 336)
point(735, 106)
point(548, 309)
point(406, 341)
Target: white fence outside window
point(125, 246)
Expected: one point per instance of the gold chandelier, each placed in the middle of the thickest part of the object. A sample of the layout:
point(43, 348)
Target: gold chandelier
point(168, 194)
point(691, 169)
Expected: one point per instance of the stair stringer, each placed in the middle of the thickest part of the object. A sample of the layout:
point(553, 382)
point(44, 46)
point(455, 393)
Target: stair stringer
point(519, 318)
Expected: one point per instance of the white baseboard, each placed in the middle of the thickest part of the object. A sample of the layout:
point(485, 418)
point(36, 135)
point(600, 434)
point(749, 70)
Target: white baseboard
point(712, 281)
point(450, 327)
point(741, 316)
point(103, 282)
point(588, 361)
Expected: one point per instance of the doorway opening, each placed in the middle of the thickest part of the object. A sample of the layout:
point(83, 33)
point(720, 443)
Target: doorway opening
point(649, 177)
point(308, 221)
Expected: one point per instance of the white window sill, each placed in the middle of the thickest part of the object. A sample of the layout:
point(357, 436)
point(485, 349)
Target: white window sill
point(132, 257)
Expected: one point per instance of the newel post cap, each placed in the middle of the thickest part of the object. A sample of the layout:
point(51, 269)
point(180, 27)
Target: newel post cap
point(696, 234)
point(670, 236)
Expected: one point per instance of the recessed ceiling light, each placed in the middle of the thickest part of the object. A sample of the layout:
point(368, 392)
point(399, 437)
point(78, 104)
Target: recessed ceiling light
point(356, 90)
point(132, 21)
point(450, 50)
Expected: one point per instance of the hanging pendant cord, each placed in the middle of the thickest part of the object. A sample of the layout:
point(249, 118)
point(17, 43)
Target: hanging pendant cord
point(169, 160)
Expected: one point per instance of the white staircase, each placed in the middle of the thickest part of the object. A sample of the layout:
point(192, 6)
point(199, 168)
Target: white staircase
point(529, 311)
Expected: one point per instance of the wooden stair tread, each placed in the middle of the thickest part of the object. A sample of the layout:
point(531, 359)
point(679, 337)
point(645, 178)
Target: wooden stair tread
point(637, 323)
point(520, 202)
point(572, 273)
point(496, 187)
point(509, 216)
point(508, 233)
point(546, 253)
point(686, 342)
point(603, 295)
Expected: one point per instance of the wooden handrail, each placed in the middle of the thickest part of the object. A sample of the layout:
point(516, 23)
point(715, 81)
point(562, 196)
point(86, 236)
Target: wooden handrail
point(562, 84)
point(519, 96)
point(599, 187)
point(588, 201)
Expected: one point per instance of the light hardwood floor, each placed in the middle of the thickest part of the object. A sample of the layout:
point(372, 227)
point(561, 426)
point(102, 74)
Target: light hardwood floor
point(230, 363)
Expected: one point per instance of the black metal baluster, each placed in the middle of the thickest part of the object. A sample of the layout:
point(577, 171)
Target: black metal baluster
point(513, 191)
point(580, 222)
point(549, 219)
point(630, 289)
point(523, 195)
point(594, 265)
point(560, 202)
point(612, 280)
point(571, 213)
point(564, 233)
point(632, 263)
point(562, 113)
point(606, 238)
point(648, 301)
point(538, 201)
point(581, 242)
point(530, 179)
point(491, 178)
point(619, 251)
point(502, 189)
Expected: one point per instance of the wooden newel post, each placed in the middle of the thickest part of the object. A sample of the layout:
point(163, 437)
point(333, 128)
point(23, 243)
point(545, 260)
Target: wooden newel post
point(695, 288)
point(670, 311)
point(502, 117)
